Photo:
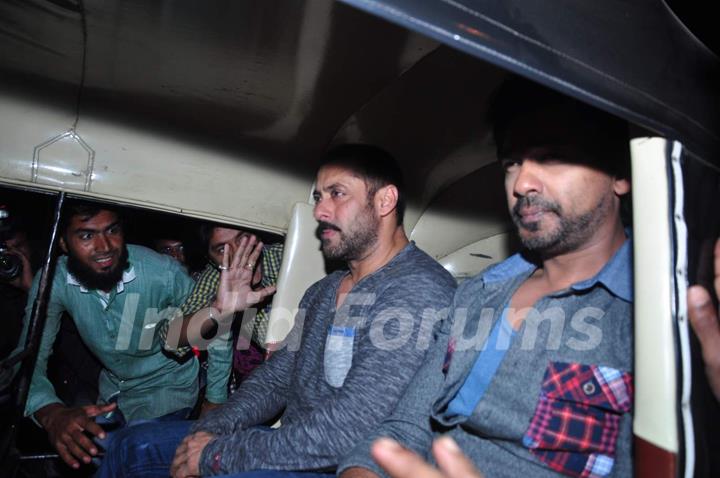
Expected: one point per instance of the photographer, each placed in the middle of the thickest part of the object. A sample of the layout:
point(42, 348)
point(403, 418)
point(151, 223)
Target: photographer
point(16, 275)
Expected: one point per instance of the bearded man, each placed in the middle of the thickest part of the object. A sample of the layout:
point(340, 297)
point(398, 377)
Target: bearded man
point(532, 375)
point(364, 331)
point(116, 294)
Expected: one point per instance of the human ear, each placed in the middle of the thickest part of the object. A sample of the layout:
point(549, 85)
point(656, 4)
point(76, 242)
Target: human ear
point(386, 199)
point(63, 245)
point(621, 186)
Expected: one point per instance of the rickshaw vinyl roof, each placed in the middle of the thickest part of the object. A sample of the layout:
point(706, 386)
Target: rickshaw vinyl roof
point(631, 58)
point(220, 109)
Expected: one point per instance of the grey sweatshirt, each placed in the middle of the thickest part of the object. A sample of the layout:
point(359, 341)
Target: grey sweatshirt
point(340, 379)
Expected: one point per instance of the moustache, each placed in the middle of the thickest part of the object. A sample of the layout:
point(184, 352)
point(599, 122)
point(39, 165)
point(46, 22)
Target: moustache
point(323, 225)
point(535, 201)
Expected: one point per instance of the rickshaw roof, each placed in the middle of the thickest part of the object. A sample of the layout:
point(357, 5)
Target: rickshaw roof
point(633, 58)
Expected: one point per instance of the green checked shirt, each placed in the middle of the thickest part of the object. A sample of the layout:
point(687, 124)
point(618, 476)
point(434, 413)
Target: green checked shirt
point(220, 350)
point(119, 329)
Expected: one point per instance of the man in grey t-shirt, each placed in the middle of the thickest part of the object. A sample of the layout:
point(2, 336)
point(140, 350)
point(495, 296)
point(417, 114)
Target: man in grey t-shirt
point(365, 332)
point(531, 376)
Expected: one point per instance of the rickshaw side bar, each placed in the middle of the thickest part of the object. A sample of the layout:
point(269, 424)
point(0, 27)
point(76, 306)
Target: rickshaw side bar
point(39, 313)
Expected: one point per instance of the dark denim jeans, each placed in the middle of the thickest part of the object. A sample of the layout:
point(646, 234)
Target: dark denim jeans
point(147, 450)
point(144, 450)
point(279, 474)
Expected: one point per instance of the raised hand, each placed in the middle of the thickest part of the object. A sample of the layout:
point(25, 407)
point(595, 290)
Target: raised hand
point(235, 292)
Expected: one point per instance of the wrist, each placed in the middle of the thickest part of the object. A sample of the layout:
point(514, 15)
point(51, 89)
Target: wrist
point(44, 416)
point(220, 315)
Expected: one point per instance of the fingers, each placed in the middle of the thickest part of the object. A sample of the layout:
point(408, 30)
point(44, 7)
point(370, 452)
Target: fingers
point(81, 446)
point(704, 320)
point(181, 467)
point(73, 446)
point(260, 294)
point(235, 288)
point(95, 410)
point(66, 456)
point(177, 469)
point(179, 459)
point(20, 253)
point(202, 438)
point(246, 254)
point(249, 247)
point(254, 256)
point(399, 462)
point(717, 268)
point(242, 251)
point(67, 433)
point(451, 460)
point(95, 429)
point(225, 258)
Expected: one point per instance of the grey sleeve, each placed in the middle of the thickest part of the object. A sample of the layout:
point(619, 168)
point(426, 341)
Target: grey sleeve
point(262, 395)
point(409, 423)
point(260, 398)
point(377, 378)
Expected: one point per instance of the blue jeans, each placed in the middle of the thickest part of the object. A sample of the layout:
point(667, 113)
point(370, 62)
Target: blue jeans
point(279, 474)
point(147, 451)
point(143, 450)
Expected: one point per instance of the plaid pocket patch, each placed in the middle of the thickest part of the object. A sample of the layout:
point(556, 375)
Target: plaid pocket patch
point(577, 419)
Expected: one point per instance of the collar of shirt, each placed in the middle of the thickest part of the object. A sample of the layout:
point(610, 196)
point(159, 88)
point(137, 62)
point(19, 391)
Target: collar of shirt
point(616, 274)
point(128, 276)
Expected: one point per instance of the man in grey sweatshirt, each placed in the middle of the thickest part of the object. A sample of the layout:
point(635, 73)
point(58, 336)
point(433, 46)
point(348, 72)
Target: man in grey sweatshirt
point(531, 376)
point(365, 332)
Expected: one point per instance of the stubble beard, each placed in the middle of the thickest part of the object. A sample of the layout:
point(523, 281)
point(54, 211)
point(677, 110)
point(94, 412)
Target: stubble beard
point(569, 234)
point(354, 243)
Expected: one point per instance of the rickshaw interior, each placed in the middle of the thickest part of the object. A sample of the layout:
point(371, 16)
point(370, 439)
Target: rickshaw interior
point(183, 113)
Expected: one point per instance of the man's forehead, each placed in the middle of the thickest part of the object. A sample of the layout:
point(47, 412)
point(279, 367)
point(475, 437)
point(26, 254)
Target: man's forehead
point(330, 175)
point(538, 149)
point(103, 218)
point(221, 235)
point(548, 127)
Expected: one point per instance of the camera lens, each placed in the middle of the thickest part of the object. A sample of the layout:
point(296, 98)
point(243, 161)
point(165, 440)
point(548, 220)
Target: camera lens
point(10, 266)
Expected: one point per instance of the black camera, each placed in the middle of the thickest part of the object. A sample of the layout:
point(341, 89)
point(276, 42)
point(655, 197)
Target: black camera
point(10, 264)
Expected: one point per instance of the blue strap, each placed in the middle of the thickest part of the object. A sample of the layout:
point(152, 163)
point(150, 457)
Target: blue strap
point(484, 369)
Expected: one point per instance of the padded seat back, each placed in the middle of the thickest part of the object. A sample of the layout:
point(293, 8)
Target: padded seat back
point(302, 266)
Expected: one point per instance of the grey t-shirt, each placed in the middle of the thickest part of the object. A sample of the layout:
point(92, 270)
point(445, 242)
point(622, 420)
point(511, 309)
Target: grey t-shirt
point(340, 379)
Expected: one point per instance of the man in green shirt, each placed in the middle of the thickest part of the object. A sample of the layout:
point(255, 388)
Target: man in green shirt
point(117, 294)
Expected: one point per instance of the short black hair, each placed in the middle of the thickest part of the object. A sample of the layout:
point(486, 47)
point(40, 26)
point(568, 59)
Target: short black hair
point(517, 97)
point(205, 232)
point(372, 164)
point(206, 229)
point(84, 209)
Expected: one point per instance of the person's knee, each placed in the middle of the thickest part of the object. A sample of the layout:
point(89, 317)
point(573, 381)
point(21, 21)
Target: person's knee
point(127, 446)
point(144, 450)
